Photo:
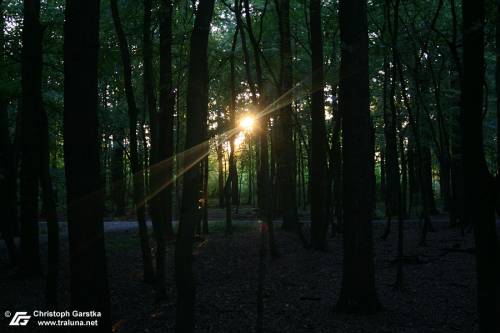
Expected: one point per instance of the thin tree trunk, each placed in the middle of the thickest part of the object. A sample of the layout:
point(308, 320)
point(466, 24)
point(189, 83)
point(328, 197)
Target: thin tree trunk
point(49, 200)
point(336, 159)
point(204, 226)
point(250, 176)
point(137, 174)
point(318, 171)
point(196, 123)
point(233, 171)
point(31, 84)
point(394, 189)
point(497, 91)
point(228, 231)
point(118, 181)
point(153, 179)
point(220, 169)
point(8, 167)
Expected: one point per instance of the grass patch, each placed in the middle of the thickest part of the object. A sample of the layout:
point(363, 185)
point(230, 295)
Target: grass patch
point(122, 241)
point(238, 227)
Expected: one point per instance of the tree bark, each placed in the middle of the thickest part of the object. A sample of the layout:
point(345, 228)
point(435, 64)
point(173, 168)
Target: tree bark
point(49, 202)
point(31, 84)
point(89, 284)
point(220, 169)
point(8, 167)
point(480, 187)
point(319, 223)
point(118, 180)
point(137, 173)
point(196, 123)
point(233, 171)
point(286, 149)
point(167, 108)
point(358, 281)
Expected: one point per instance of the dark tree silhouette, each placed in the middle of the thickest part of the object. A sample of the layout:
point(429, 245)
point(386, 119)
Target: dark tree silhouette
point(196, 120)
point(165, 118)
point(118, 186)
point(8, 166)
point(319, 222)
point(137, 173)
point(50, 207)
point(358, 281)
point(480, 185)
point(231, 184)
point(393, 202)
point(286, 147)
point(89, 284)
point(31, 82)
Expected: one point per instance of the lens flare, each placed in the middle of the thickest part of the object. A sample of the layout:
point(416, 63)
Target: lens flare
point(247, 123)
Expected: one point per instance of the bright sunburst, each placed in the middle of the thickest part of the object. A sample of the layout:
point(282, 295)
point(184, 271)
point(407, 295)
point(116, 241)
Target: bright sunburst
point(247, 123)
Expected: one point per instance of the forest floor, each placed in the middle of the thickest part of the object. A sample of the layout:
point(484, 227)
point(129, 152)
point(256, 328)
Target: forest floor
point(301, 286)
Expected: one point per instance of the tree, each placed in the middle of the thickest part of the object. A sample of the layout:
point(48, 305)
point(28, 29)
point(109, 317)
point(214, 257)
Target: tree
point(358, 280)
point(196, 122)
point(50, 207)
point(89, 284)
point(319, 223)
point(31, 82)
point(167, 104)
point(118, 187)
point(137, 173)
point(233, 169)
point(335, 152)
point(393, 204)
point(8, 165)
point(162, 203)
point(286, 147)
point(231, 184)
point(480, 186)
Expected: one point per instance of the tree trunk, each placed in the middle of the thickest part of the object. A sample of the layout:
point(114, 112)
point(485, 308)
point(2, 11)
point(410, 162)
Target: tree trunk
point(167, 110)
point(480, 186)
point(318, 172)
point(257, 53)
point(149, 105)
point(196, 123)
point(233, 171)
point(118, 180)
point(286, 149)
point(358, 281)
point(497, 91)
point(49, 202)
point(89, 284)
point(428, 188)
point(336, 162)
point(31, 83)
point(8, 167)
point(250, 175)
point(137, 174)
point(204, 224)
point(228, 231)
point(220, 169)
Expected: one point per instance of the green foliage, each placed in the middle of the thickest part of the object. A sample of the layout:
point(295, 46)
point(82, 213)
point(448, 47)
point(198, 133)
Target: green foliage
point(419, 39)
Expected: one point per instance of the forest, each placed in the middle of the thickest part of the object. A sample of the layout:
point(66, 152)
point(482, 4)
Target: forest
point(249, 166)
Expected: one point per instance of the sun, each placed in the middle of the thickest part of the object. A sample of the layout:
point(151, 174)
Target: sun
point(247, 123)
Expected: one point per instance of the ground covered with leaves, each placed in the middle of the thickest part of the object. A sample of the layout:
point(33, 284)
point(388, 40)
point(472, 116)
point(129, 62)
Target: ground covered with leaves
point(301, 286)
